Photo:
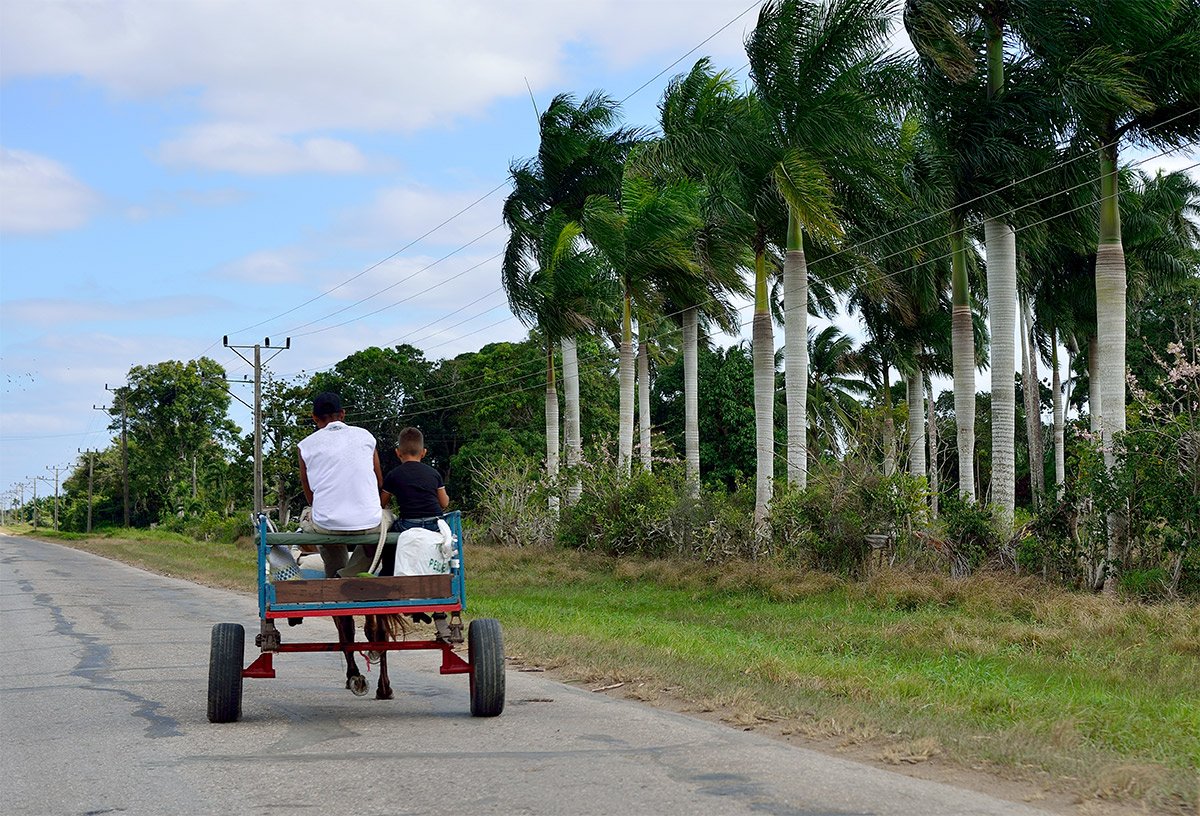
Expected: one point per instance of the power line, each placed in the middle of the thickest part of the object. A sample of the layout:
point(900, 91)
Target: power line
point(478, 200)
point(900, 252)
point(743, 325)
point(838, 252)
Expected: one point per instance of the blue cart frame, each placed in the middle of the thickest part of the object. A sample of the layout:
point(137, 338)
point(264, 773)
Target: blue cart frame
point(373, 596)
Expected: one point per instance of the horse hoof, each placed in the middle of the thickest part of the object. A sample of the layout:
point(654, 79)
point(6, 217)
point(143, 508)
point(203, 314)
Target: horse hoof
point(374, 657)
point(357, 684)
point(382, 694)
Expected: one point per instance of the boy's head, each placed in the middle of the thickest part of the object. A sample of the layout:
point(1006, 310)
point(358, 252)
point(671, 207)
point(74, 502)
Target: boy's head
point(411, 444)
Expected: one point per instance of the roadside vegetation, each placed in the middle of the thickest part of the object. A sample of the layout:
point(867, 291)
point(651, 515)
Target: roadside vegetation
point(1077, 694)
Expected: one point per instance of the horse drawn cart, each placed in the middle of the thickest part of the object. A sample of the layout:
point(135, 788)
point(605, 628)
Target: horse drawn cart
point(312, 595)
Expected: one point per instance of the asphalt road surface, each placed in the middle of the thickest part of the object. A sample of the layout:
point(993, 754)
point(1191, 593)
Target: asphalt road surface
point(103, 710)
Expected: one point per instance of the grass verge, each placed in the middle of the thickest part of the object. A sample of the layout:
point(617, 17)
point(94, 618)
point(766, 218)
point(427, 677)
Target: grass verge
point(1084, 695)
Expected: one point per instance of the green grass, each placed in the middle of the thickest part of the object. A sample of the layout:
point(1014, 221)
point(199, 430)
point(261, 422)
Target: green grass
point(1091, 696)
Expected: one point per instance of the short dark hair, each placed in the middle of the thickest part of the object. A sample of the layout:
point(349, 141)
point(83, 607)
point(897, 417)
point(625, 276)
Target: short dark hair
point(326, 404)
point(411, 442)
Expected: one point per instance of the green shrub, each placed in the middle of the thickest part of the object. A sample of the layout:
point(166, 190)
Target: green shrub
point(513, 507)
point(825, 526)
point(970, 534)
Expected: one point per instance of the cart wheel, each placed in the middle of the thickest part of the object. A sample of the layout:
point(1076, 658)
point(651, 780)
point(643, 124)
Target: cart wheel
point(225, 672)
point(485, 651)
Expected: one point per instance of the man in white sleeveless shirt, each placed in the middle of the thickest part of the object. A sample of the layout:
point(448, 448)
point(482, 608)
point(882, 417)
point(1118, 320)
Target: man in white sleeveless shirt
point(341, 477)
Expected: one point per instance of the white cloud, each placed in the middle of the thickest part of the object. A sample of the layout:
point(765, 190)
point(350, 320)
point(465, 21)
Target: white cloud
point(250, 150)
point(37, 195)
point(300, 66)
point(266, 266)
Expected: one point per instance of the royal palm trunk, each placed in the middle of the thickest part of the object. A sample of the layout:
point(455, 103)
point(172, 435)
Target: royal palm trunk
point(551, 426)
point(933, 454)
point(691, 412)
point(1110, 331)
point(571, 427)
point(795, 322)
point(1060, 470)
point(643, 391)
point(625, 423)
point(963, 351)
point(1000, 241)
point(1033, 421)
point(763, 341)
point(1095, 407)
point(889, 424)
point(915, 386)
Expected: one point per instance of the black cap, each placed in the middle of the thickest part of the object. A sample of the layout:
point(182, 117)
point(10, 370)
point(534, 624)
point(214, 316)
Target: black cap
point(326, 403)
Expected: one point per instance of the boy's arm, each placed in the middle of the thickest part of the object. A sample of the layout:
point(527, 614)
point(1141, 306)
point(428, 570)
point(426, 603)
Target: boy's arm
point(385, 499)
point(443, 497)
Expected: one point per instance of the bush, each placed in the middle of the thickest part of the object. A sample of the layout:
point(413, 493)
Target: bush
point(825, 526)
point(513, 508)
point(210, 526)
point(655, 514)
point(970, 534)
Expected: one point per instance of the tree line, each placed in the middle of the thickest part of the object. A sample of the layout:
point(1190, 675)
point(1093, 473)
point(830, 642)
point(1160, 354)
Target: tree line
point(964, 204)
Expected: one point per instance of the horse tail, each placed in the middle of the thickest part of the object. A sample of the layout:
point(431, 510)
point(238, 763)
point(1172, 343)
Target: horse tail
point(388, 627)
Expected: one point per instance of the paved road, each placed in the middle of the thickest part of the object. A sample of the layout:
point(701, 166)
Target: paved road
point(103, 678)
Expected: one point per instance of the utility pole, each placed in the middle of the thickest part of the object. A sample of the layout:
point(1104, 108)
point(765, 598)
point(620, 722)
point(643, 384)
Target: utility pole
point(257, 407)
point(36, 479)
point(56, 469)
point(123, 392)
point(91, 460)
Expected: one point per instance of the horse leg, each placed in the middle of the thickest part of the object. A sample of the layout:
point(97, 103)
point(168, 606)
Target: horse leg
point(354, 679)
point(384, 690)
point(376, 631)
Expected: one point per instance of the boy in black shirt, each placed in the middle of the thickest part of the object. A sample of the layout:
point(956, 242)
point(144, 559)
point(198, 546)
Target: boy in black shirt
point(420, 494)
point(421, 499)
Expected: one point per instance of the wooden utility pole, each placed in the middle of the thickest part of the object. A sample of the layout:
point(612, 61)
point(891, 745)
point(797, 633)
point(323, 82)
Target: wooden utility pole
point(91, 463)
point(36, 479)
point(56, 469)
point(257, 362)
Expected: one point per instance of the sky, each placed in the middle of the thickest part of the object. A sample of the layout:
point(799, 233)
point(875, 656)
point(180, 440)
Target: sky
point(177, 171)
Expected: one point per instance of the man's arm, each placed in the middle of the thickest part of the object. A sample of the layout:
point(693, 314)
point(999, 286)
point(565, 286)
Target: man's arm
point(378, 471)
point(308, 494)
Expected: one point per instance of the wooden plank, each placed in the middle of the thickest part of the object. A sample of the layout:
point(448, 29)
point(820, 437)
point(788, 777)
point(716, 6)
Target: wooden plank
point(342, 590)
point(287, 539)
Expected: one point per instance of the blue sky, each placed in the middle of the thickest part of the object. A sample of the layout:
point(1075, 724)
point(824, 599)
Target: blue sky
point(172, 171)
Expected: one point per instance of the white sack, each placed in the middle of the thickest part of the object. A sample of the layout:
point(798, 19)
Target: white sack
point(424, 552)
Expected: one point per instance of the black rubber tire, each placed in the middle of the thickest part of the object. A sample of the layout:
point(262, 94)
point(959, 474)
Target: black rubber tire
point(225, 672)
point(485, 652)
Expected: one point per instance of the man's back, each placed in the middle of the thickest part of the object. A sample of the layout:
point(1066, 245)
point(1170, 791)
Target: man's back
point(340, 464)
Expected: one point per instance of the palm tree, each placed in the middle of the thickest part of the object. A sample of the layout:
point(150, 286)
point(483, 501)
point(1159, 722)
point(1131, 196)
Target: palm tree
point(833, 391)
point(646, 239)
point(988, 113)
point(696, 113)
point(1122, 69)
point(825, 84)
point(549, 284)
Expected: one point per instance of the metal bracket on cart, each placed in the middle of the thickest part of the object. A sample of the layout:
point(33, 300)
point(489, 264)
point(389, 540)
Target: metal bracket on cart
point(268, 639)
